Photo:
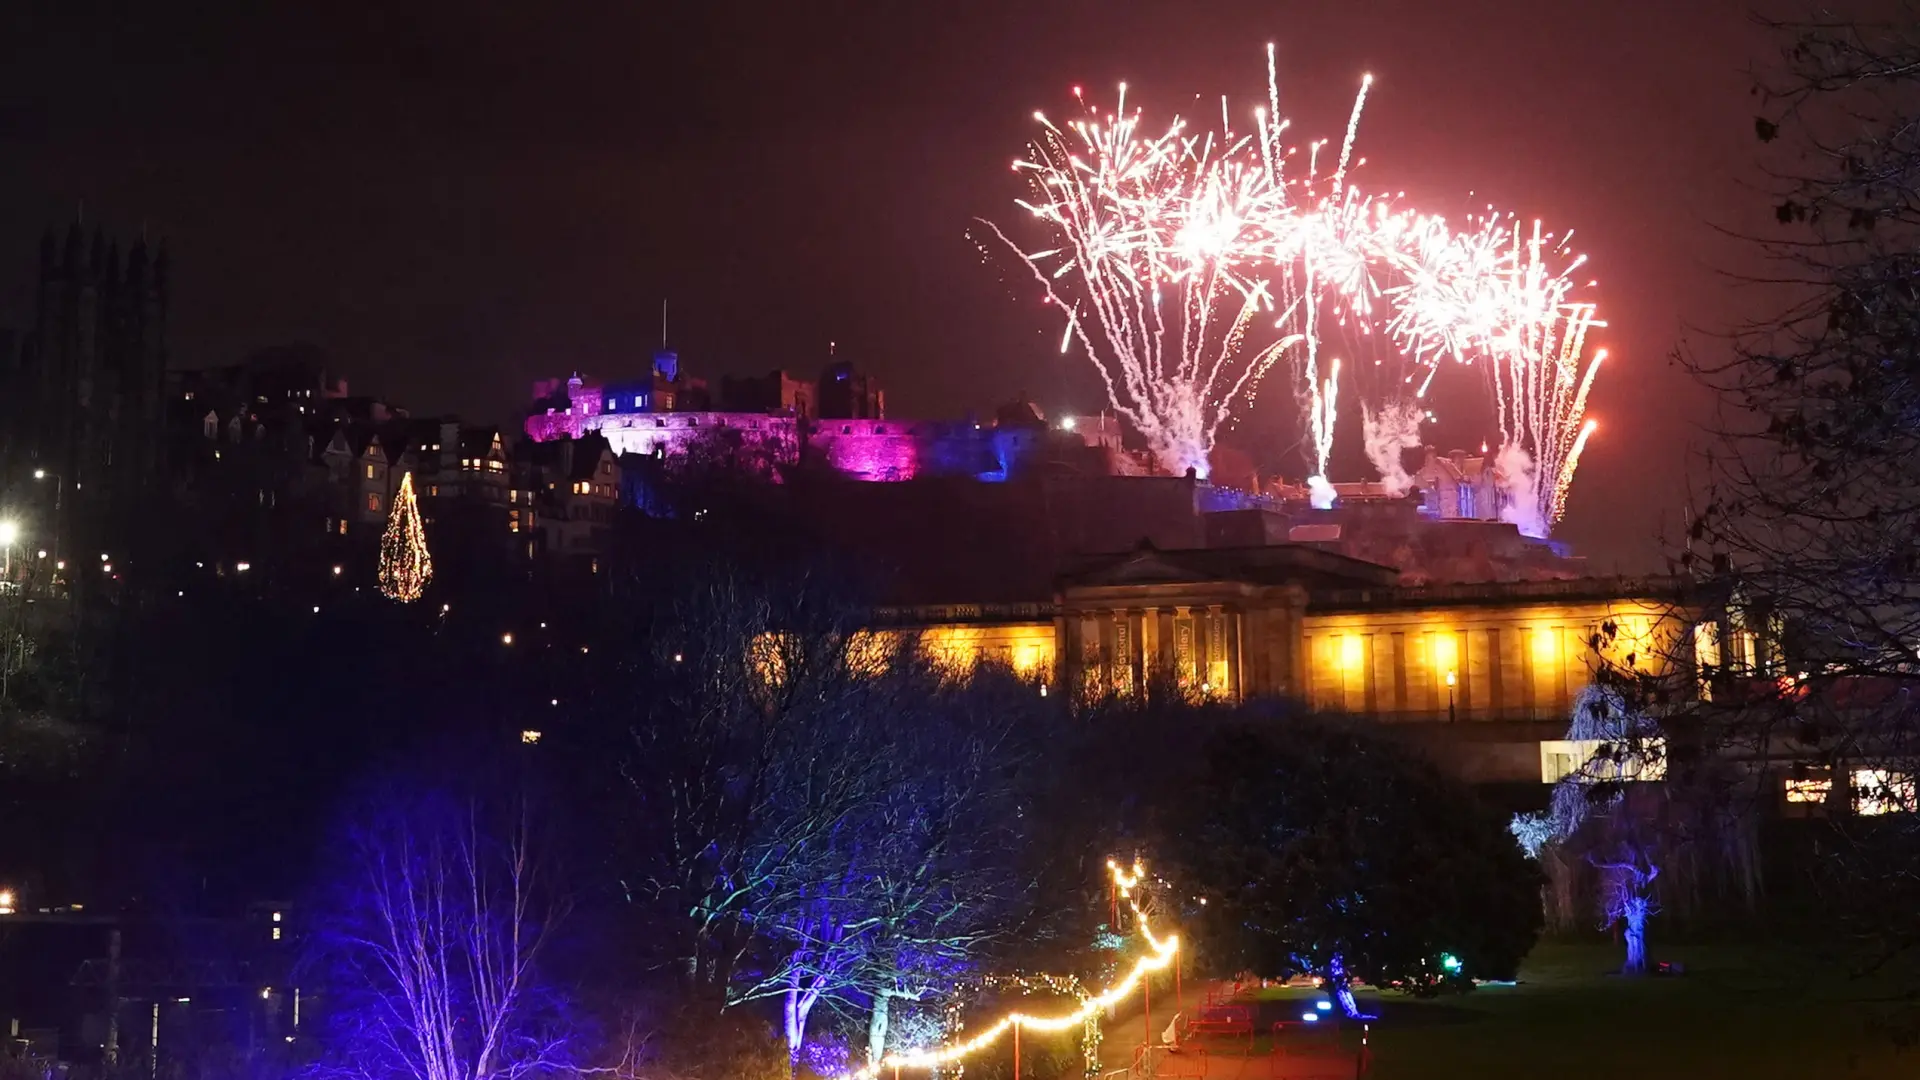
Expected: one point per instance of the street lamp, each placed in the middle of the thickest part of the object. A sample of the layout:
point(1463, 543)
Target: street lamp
point(59, 491)
point(1451, 679)
point(59, 484)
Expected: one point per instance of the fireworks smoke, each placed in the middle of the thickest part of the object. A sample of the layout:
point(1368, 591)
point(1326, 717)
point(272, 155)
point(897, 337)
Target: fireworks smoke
point(1320, 492)
point(1390, 432)
point(1513, 474)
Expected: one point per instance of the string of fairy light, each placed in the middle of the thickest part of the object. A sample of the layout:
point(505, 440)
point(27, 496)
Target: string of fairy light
point(1161, 952)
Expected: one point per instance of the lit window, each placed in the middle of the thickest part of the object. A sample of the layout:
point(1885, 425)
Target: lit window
point(343, 526)
point(373, 502)
point(529, 737)
point(1809, 791)
point(1583, 758)
point(1882, 791)
point(276, 916)
point(276, 933)
point(369, 472)
point(497, 466)
point(433, 489)
point(637, 400)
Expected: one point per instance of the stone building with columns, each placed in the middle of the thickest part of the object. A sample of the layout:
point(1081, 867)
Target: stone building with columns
point(1483, 674)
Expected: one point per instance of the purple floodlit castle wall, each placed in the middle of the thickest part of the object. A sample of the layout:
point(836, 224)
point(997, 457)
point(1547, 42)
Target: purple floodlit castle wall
point(665, 434)
point(870, 450)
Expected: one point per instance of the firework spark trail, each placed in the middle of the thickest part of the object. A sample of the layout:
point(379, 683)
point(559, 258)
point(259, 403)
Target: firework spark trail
point(1488, 291)
point(1169, 249)
point(1166, 251)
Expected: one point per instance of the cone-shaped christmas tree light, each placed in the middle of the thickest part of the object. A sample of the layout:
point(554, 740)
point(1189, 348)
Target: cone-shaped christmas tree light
point(405, 566)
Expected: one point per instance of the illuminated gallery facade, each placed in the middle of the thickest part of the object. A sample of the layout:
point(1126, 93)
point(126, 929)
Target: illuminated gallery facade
point(1483, 673)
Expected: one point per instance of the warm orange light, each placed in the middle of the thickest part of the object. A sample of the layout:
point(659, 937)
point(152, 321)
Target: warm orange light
point(1546, 647)
point(1163, 950)
point(1353, 652)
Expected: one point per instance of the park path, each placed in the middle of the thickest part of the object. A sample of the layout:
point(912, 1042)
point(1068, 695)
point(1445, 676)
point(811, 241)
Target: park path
point(1304, 1054)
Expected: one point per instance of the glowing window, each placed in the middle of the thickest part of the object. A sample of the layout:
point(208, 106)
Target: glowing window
point(369, 472)
point(1585, 759)
point(1352, 652)
point(373, 502)
point(1809, 791)
point(1882, 791)
point(637, 400)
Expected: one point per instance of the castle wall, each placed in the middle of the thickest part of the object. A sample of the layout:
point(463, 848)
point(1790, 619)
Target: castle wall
point(864, 449)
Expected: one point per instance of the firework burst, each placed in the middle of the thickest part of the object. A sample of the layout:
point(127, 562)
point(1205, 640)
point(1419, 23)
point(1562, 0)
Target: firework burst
point(1489, 292)
point(1189, 262)
point(1171, 247)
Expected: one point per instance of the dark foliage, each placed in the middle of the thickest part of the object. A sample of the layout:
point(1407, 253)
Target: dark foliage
point(1318, 844)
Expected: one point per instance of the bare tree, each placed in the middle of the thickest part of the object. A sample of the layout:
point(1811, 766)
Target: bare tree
point(749, 712)
point(1812, 515)
point(438, 943)
point(821, 811)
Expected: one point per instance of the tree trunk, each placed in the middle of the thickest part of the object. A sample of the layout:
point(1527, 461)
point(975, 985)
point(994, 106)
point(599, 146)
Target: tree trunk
point(1340, 988)
point(797, 1004)
point(877, 1028)
point(1636, 926)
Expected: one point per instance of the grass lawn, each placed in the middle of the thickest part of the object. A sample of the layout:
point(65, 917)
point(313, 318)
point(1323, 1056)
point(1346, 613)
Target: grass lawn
point(1743, 1013)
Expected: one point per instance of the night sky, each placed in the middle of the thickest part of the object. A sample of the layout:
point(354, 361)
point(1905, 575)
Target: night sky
point(453, 199)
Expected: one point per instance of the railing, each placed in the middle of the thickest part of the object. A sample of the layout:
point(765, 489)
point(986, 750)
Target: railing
point(1162, 1062)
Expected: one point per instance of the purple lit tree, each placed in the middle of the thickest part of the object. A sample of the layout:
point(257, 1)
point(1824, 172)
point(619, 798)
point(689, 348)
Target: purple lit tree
point(437, 945)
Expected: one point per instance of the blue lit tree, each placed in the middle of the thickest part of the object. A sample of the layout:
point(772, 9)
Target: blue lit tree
point(435, 943)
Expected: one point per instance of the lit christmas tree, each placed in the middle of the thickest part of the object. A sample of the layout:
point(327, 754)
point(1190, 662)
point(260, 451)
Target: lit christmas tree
point(405, 566)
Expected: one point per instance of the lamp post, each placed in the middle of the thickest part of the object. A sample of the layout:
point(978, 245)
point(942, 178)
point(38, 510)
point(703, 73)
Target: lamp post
point(59, 495)
point(59, 484)
point(1452, 678)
